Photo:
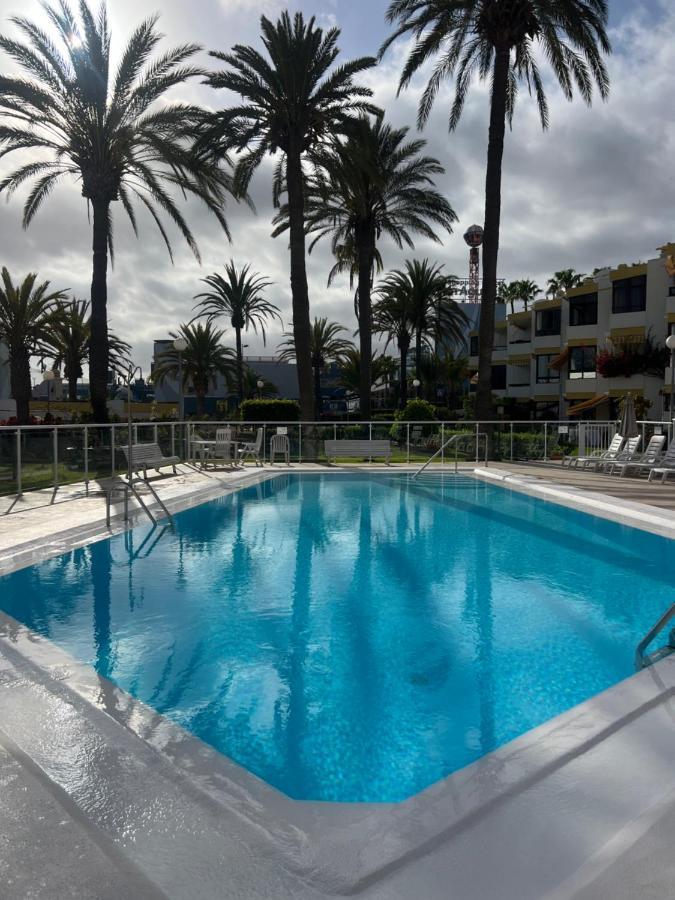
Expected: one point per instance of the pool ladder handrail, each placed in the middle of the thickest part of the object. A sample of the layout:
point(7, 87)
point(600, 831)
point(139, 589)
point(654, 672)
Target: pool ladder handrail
point(643, 660)
point(454, 439)
point(127, 487)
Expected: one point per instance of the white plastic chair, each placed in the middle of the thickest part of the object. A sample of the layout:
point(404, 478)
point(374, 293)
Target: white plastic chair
point(252, 449)
point(280, 444)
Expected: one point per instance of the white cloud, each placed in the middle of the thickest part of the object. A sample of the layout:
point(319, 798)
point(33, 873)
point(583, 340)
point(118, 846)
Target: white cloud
point(597, 188)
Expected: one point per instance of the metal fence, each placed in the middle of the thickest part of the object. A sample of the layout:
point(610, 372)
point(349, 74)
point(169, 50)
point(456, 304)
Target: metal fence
point(38, 457)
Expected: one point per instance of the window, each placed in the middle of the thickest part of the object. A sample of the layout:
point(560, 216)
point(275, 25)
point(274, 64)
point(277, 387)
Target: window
point(473, 345)
point(548, 321)
point(582, 362)
point(584, 309)
point(498, 380)
point(520, 375)
point(629, 295)
point(546, 375)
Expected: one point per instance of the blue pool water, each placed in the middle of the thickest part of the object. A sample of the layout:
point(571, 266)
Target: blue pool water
point(354, 637)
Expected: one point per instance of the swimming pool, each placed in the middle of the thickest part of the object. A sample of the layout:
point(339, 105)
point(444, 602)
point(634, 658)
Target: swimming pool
point(356, 637)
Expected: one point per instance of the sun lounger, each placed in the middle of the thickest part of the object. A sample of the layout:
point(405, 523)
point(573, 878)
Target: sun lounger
point(610, 453)
point(644, 462)
point(628, 454)
point(665, 466)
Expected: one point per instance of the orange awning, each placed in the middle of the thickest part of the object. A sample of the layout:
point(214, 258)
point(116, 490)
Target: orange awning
point(587, 404)
point(560, 360)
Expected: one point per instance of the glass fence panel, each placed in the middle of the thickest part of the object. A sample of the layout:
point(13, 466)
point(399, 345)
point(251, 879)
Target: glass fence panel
point(37, 459)
point(8, 482)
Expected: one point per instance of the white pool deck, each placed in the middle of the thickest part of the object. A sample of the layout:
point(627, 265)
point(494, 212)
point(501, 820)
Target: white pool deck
point(100, 797)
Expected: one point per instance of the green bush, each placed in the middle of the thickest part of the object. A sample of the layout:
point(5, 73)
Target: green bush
point(417, 411)
point(270, 411)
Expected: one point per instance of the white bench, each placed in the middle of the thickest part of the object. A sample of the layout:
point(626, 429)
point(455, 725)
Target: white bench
point(149, 456)
point(368, 449)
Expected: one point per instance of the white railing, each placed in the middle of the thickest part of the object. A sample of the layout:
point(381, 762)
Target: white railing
point(34, 457)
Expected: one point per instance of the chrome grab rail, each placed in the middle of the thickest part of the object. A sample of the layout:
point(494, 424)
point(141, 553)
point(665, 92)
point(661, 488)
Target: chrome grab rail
point(454, 439)
point(642, 660)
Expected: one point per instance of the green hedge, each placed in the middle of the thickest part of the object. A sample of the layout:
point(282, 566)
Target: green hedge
point(270, 411)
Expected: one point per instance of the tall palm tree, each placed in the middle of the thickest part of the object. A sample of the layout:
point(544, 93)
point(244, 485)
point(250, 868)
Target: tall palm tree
point(291, 102)
point(498, 40)
point(371, 183)
point(104, 130)
point(26, 312)
point(510, 293)
point(69, 338)
point(434, 314)
point(393, 317)
point(240, 296)
point(325, 346)
point(564, 281)
point(202, 361)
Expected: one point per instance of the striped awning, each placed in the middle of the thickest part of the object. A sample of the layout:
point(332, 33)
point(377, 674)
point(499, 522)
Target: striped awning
point(628, 335)
point(560, 360)
point(587, 404)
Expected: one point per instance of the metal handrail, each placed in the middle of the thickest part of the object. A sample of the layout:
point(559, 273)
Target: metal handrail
point(642, 660)
point(454, 439)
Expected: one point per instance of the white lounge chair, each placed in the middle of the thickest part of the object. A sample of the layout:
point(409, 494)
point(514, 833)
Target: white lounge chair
point(252, 449)
point(281, 445)
point(628, 454)
point(610, 453)
point(665, 466)
point(645, 461)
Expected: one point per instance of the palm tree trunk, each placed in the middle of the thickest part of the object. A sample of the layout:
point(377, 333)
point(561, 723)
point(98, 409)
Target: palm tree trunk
point(98, 344)
point(493, 187)
point(299, 289)
point(19, 374)
point(72, 388)
point(418, 351)
point(240, 367)
point(366, 249)
point(318, 405)
point(403, 374)
point(199, 400)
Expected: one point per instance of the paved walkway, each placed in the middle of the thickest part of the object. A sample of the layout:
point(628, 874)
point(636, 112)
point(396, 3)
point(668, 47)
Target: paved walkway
point(637, 490)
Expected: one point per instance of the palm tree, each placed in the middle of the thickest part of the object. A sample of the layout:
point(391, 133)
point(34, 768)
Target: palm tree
point(351, 370)
point(26, 311)
point(371, 183)
point(240, 296)
point(290, 103)
point(497, 40)
point(527, 291)
point(509, 293)
point(446, 370)
point(69, 338)
point(325, 345)
point(431, 309)
point(393, 317)
point(251, 389)
point(564, 281)
point(202, 361)
point(105, 131)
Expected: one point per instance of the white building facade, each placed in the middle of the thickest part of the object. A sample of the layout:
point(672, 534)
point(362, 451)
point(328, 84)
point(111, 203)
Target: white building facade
point(579, 353)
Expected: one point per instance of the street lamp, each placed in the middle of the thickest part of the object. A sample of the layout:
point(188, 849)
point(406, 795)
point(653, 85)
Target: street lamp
point(180, 346)
point(670, 344)
point(416, 385)
point(261, 384)
point(48, 377)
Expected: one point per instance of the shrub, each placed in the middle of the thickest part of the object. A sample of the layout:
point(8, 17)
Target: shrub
point(417, 411)
point(270, 411)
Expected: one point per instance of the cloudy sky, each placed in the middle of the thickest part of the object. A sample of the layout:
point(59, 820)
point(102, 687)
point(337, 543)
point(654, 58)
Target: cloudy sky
point(598, 188)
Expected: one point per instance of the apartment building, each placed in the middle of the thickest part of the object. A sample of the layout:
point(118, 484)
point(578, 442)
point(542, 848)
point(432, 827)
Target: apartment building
point(577, 354)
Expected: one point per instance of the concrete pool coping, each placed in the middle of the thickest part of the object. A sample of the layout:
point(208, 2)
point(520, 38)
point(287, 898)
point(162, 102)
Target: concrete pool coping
point(339, 849)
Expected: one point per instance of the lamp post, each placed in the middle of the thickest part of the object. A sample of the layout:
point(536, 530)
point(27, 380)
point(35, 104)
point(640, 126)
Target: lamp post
point(48, 377)
point(260, 384)
point(670, 344)
point(416, 385)
point(180, 346)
